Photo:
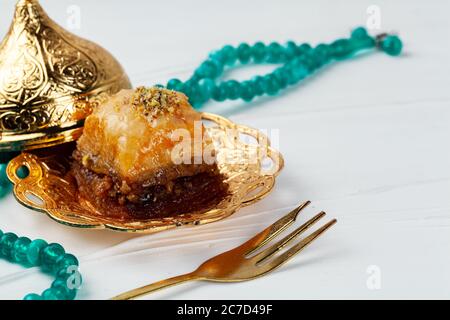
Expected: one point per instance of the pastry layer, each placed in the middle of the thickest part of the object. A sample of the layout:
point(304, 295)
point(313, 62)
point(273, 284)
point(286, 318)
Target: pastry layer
point(136, 136)
point(195, 193)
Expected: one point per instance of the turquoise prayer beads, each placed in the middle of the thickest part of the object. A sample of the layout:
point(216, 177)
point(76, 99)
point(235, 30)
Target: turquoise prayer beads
point(297, 62)
point(52, 258)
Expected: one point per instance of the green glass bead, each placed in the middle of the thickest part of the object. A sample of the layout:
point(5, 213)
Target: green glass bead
point(220, 93)
point(207, 69)
point(275, 53)
point(32, 296)
point(244, 53)
point(307, 62)
point(194, 94)
point(218, 56)
point(359, 33)
point(289, 71)
point(60, 282)
point(230, 55)
point(362, 43)
point(66, 261)
point(196, 104)
point(50, 255)
point(299, 72)
point(322, 54)
point(193, 78)
point(341, 48)
point(207, 87)
point(219, 67)
point(4, 181)
point(174, 84)
point(282, 77)
point(360, 39)
point(259, 52)
point(304, 48)
point(53, 294)
point(290, 76)
point(61, 286)
point(392, 45)
point(233, 89)
point(211, 69)
point(34, 251)
point(259, 85)
point(192, 90)
point(7, 244)
point(272, 85)
point(285, 74)
point(186, 88)
point(291, 50)
point(247, 91)
point(20, 250)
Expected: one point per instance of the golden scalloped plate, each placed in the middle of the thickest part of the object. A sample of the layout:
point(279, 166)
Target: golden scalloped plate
point(244, 156)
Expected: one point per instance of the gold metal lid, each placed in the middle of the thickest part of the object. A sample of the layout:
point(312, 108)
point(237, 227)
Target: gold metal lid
point(50, 80)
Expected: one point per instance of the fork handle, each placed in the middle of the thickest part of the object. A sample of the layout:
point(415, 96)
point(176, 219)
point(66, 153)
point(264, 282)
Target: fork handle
point(138, 292)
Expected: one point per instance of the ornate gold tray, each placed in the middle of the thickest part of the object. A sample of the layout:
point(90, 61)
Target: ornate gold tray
point(250, 168)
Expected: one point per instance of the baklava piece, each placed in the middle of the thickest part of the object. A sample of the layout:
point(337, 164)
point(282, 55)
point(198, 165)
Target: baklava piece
point(129, 164)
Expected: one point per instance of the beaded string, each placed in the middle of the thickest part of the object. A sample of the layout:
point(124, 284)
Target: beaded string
point(52, 259)
point(298, 62)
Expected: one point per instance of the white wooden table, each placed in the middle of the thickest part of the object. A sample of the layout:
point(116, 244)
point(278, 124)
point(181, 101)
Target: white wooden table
point(367, 140)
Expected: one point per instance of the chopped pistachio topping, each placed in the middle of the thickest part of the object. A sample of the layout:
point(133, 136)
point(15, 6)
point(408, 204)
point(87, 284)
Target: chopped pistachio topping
point(152, 102)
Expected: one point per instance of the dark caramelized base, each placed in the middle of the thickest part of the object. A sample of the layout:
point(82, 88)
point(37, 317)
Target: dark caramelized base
point(185, 194)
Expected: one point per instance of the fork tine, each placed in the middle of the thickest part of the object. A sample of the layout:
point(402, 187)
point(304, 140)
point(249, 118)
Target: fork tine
point(273, 230)
point(269, 252)
point(278, 261)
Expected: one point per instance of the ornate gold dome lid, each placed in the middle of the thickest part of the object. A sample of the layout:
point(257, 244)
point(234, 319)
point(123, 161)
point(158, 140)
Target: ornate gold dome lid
point(50, 80)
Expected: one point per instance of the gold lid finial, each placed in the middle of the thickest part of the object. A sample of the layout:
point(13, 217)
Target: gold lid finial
point(49, 80)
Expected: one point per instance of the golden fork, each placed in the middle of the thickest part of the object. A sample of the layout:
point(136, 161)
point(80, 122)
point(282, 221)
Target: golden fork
point(244, 262)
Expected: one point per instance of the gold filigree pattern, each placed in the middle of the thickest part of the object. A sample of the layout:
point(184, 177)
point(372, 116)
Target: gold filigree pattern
point(49, 189)
point(48, 77)
point(25, 119)
point(73, 69)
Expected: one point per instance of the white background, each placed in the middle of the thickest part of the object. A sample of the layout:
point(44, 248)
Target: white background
point(367, 140)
